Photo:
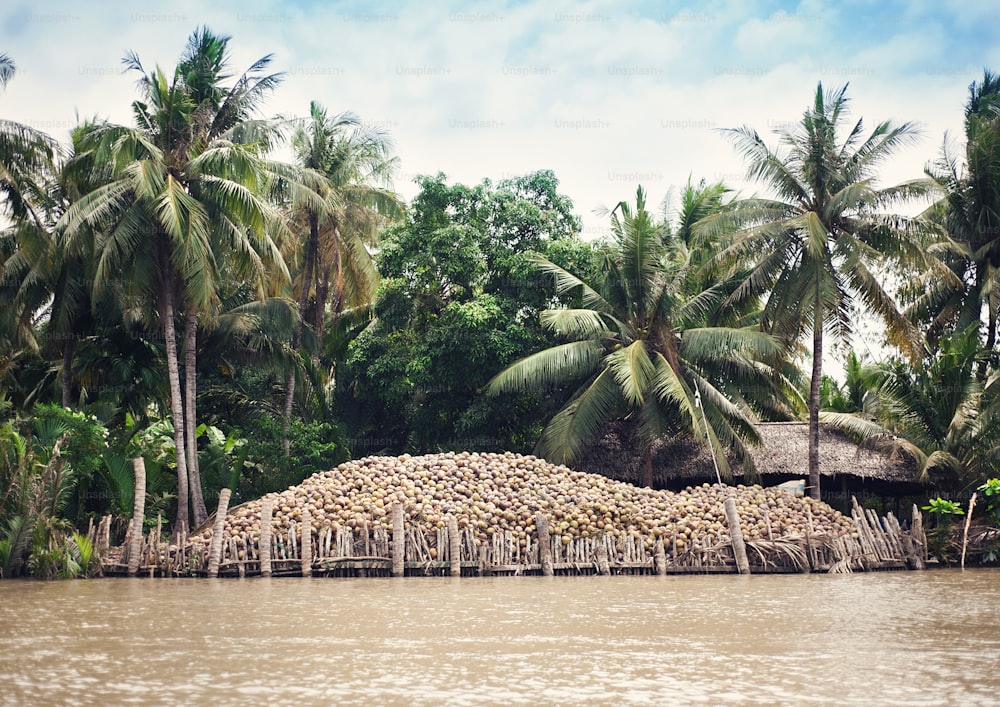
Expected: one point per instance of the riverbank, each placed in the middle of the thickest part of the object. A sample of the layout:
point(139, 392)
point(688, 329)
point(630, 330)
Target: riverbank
point(471, 513)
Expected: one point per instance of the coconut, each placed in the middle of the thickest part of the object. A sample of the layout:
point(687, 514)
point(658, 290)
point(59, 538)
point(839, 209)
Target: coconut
point(495, 493)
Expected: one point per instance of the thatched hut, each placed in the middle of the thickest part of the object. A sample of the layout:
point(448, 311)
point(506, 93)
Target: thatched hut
point(846, 468)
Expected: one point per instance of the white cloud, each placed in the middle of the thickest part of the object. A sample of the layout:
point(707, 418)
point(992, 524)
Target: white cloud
point(604, 96)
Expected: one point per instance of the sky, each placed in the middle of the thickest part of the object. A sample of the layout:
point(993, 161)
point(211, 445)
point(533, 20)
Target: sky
point(609, 95)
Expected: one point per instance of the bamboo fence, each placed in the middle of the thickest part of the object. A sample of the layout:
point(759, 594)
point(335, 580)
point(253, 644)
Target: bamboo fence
point(409, 549)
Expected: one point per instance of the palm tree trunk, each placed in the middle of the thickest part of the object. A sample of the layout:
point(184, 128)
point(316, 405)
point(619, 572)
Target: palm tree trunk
point(176, 403)
point(67, 371)
point(646, 478)
point(198, 510)
point(814, 391)
point(338, 294)
point(319, 314)
point(307, 272)
point(991, 340)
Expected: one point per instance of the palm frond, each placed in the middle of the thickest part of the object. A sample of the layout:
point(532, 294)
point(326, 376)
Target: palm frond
point(575, 323)
point(574, 428)
point(548, 368)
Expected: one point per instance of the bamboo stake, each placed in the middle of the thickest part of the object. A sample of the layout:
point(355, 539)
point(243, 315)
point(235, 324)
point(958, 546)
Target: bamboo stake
point(104, 535)
point(264, 543)
point(454, 548)
point(398, 541)
point(602, 559)
point(813, 563)
point(879, 534)
point(660, 558)
point(736, 533)
point(215, 550)
point(306, 554)
point(544, 544)
point(903, 541)
point(965, 533)
point(919, 540)
point(156, 547)
point(138, 512)
point(865, 539)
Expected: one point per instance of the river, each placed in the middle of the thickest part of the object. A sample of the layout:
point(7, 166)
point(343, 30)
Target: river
point(908, 638)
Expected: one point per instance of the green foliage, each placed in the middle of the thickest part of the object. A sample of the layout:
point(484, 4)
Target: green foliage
point(315, 446)
point(815, 247)
point(851, 396)
point(56, 552)
point(459, 300)
point(118, 479)
point(13, 545)
point(84, 449)
point(644, 341)
point(36, 483)
point(958, 284)
point(222, 459)
point(83, 554)
point(937, 413)
point(941, 507)
point(991, 490)
point(939, 537)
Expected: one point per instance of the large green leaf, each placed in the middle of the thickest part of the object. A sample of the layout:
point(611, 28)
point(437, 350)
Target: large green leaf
point(548, 368)
point(633, 371)
point(577, 425)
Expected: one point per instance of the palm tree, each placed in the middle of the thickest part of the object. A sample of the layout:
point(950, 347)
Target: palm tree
point(963, 283)
point(25, 160)
point(853, 396)
point(183, 193)
point(937, 413)
point(814, 248)
point(220, 114)
point(29, 260)
point(357, 165)
point(7, 68)
point(639, 349)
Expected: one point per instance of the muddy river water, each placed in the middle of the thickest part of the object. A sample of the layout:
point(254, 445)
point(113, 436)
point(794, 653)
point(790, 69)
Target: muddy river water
point(908, 638)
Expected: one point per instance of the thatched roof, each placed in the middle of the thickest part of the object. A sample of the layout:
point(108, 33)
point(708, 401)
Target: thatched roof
point(784, 454)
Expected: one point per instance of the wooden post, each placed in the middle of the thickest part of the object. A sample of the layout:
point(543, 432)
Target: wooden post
point(736, 533)
point(660, 558)
point(104, 535)
point(902, 541)
point(264, 543)
point(813, 563)
point(156, 544)
point(398, 541)
point(919, 541)
point(307, 534)
point(602, 558)
point(215, 549)
point(544, 544)
point(965, 533)
point(138, 513)
point(454, 548)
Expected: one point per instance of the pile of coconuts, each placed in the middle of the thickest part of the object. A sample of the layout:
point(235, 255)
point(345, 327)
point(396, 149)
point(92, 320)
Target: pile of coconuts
point(493, 493)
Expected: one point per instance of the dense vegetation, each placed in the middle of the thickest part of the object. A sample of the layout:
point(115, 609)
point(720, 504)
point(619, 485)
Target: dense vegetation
point(171, 290)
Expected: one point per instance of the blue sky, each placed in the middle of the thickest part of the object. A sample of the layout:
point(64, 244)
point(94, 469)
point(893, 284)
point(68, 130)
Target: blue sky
point(608, 95)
